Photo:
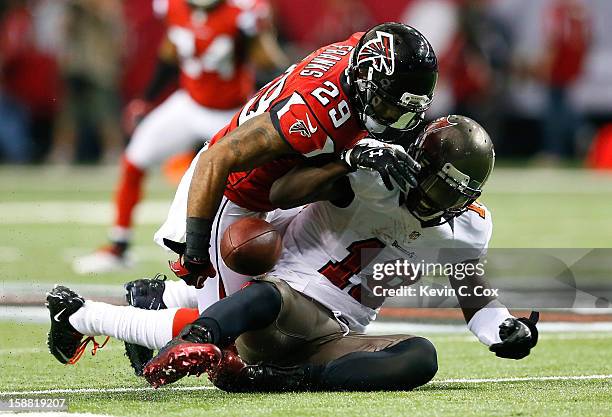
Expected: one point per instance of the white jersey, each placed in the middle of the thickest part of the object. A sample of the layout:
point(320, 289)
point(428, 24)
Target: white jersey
point(328, 251)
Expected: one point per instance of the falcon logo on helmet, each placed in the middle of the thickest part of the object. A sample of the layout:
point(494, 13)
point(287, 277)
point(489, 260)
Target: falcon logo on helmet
point(392, 74)
point(380, 52)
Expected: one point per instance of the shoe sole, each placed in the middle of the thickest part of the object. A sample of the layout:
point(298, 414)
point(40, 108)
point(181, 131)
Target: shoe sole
point(58, 354)
point(182, 360)
point(138, 356)
point(53, 349)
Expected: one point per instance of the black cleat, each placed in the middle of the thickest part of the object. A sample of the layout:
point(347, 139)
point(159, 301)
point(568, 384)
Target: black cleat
point(63, 339)
point(234, 375)
point(146, 294)
point(271, 378)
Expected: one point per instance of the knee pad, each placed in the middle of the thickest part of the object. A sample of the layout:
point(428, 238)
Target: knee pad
point(264, 292)
point(417, 361)
point(428, 358)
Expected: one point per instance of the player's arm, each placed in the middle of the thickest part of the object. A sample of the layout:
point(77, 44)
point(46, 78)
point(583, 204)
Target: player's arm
point(489, 320)
point(257, 26)
point(469, 302)
point(266, 53)
point(166, 71)
point(250, 145)
point(314, 180)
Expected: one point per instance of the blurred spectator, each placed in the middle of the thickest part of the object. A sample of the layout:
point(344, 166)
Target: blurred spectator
point(477, 64)
point(338, 20)
point(28, 85)
point(567, 39)
point(438, 21)
point(309, 24)
point(90, 63)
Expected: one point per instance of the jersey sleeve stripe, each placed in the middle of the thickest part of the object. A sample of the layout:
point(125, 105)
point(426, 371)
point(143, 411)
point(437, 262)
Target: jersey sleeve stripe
point(328, 148)
point(297, 97)
point(321, 125)
point(276, 121)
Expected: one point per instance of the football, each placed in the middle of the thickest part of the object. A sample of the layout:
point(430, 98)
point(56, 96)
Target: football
point(251, 246)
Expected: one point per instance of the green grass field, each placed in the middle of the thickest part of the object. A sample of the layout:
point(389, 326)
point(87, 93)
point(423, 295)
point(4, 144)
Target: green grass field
point(26, 366)
point(42, 212)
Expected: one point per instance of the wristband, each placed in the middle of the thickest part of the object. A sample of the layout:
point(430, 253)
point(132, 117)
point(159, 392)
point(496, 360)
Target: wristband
point(485, 323)
point(197, 238)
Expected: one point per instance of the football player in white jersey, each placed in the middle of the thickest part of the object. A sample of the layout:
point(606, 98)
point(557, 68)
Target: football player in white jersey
point(303, 322)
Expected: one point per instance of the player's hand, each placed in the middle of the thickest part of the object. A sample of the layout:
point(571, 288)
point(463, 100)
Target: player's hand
point(193, 271)
point(518, 337)
point(390, 163)
point(133, 114)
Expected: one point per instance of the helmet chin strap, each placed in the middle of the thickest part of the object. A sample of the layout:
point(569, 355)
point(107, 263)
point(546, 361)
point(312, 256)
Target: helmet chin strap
point(430, 217)
point(372, 126)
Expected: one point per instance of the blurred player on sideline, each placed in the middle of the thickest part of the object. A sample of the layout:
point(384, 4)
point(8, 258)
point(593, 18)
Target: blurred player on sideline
point(209, 43)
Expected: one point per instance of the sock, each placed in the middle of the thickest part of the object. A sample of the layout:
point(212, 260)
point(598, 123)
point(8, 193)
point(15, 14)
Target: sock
point(178, 294)
point(253, 307)
point(182, 318)
point(129, 192)
point(120, 236)
point(149, 328)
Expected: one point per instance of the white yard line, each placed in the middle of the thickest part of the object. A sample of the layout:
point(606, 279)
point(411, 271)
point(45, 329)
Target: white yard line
point(81, 212)
point(148, 253)
point(10, 254)
point(503, 181)
point(388, 327)
point(29, 314)
point(207, 387)
point(104, 390)
point(55, 414)
point(522, 379)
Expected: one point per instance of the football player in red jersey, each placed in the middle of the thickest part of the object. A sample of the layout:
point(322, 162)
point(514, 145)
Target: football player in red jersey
point(316, 340)
point(378, 82)
point(205, 47)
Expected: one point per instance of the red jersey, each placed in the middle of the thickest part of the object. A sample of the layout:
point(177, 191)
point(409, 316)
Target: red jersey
point(311, 110)
point(568, 30)
point(211, 49)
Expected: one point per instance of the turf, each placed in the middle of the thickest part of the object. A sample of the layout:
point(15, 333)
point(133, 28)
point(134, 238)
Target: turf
point(26, 365)
point(531, 208)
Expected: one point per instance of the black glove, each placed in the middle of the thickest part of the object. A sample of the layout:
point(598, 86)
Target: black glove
point(518, 337)
point(388, 162)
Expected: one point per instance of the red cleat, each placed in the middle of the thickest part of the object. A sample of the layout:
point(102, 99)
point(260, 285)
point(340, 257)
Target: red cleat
point(228, 374)
point(181, 358)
